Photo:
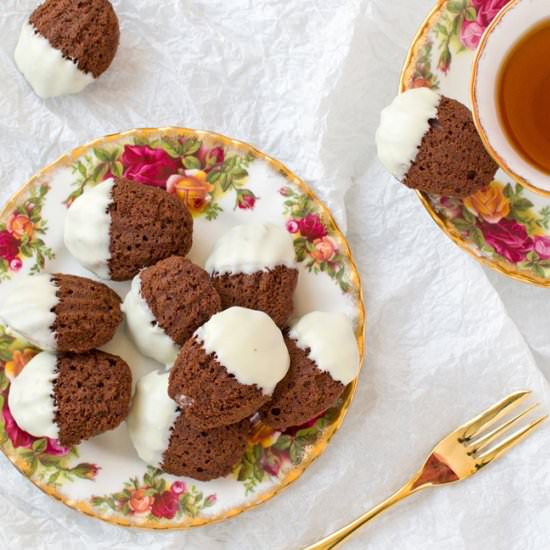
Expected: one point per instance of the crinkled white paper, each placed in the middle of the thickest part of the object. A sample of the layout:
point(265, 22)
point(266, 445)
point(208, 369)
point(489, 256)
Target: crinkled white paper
point(305, 81)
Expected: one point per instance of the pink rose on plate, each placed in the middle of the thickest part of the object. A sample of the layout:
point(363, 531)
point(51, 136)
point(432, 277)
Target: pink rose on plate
point(509, 238)
point(17, 436)
point(246, 200)
point(292, 226)
point(166, 505)
point(140, 502)
point(16, 264)
point(487, 10)
point(271, 463)
point(210, 500)
point(9, 246)
point(325, 250)
point(86, 470)
point(148, 166)
point(311, 227)
point(453, 207)
point(470, 34)
point(444, 63)
point(472, 31)
point(178, 487)
point(54, 448)
point(542, 247)
point(20, 438)
point(210, 157)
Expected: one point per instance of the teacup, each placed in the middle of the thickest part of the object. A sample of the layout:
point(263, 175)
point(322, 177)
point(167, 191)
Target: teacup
point(510, 26)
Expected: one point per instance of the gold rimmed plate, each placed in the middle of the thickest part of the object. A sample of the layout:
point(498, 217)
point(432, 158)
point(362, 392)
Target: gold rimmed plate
point(223, 182)
point(505, 226)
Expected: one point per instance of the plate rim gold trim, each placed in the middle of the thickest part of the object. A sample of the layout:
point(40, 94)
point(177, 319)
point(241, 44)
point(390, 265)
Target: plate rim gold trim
point(500, 266)
point(318, 448)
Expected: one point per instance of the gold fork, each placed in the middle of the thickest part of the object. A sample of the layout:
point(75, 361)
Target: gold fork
point(456, 457)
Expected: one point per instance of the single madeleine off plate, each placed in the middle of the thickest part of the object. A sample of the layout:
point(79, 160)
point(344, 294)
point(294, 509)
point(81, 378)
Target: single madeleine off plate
point(505, 226)
point(224, 183)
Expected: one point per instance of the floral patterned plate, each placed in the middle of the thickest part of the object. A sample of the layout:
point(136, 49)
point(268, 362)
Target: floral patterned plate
point(223, 182)
point(505, 226)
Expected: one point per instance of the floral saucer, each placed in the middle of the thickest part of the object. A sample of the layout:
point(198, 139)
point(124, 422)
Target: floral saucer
point(505, 226)
point(223, 182)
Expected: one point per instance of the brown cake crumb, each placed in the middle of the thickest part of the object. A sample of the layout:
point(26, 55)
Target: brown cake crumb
point(85, 31)
point(147, 225)
point(452, 160)
point(87, 315)
point(204, 454)
point(208, 395)
point(180, 295)
point(303, 394)
point(91, 395)
point(270, 291)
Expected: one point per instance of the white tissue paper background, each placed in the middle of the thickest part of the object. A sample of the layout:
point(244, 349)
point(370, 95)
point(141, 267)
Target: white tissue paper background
point(305, 81)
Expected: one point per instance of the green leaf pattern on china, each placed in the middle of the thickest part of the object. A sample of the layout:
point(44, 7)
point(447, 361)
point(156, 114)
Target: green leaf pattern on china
point(25, 229)
point(271, 461)
point(155, 498)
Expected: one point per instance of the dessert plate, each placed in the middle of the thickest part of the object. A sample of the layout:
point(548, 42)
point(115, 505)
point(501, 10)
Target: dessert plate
point(505, 226)
point(224, 183)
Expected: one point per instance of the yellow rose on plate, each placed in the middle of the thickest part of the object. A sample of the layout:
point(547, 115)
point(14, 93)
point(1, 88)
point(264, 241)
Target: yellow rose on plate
point(18, 361)
point(20, 225)
point(264, 435)
point(490, 203)
point(192, 188)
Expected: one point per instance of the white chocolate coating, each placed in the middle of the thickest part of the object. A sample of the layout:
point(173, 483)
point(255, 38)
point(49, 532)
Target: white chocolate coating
point(151, 417)
point(250, 248)
point(403, 124)
point(331, 341)
point(249, 345)
point(149, 337)
point(45, 68)
point(87, 228)
point(31, 399)
point(26, 304)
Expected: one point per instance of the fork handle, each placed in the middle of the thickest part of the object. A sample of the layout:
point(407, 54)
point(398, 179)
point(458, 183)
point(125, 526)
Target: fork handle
point(332, 541)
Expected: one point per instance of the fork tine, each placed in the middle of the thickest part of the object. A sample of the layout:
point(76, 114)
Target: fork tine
point(491, 415)
point(483, 441)
point(508, 443)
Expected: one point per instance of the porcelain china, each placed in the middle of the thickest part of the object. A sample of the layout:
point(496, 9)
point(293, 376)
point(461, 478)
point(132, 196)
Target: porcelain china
point(505, 226)
point(224, 183)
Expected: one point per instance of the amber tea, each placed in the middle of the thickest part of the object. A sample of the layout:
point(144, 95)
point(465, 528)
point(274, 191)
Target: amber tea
point(523, 96)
